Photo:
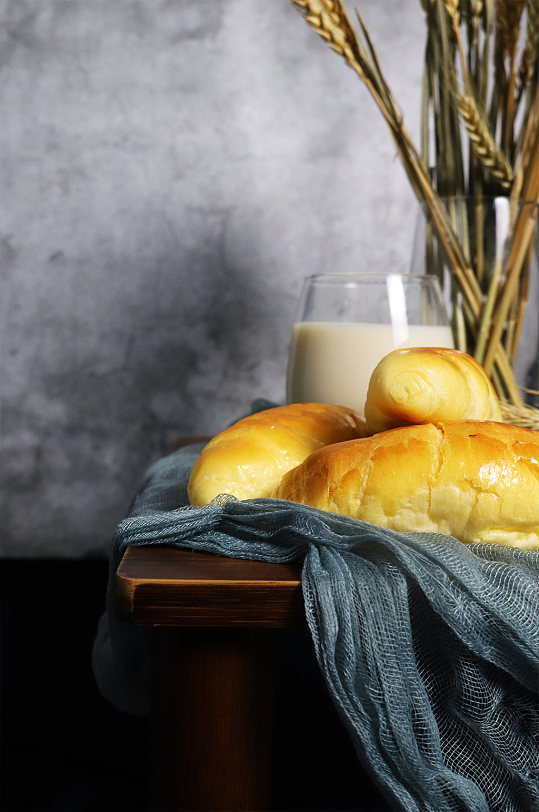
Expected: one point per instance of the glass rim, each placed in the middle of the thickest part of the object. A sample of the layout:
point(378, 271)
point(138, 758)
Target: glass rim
point(519, 201)
point(376, 276)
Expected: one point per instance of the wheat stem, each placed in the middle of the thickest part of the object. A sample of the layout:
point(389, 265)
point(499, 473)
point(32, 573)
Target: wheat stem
point(529, 59)
point(521, 242)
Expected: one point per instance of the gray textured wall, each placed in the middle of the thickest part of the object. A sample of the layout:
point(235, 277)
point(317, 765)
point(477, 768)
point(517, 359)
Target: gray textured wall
point(170, 171)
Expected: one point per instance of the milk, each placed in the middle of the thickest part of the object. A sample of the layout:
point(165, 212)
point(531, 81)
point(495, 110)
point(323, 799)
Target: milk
point(332, 362)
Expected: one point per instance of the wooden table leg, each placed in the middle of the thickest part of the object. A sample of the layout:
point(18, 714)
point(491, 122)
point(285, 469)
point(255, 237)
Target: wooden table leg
point(212, 719)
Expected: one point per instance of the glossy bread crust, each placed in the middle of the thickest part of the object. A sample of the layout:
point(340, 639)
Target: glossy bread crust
point(249, 458)
point(428, 384)
point(475, 480)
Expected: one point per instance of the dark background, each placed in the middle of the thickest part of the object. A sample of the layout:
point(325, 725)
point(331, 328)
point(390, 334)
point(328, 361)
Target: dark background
point(66, 748)
point(63, 746)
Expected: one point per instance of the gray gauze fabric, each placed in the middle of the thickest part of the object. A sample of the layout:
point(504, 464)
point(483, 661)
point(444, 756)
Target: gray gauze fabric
point(429, 647)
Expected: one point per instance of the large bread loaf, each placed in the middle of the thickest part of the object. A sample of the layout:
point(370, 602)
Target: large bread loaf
point(249, 458)
point(475, 480)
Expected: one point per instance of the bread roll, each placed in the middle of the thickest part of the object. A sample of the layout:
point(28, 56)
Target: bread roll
point(249, 458)
point(428, 384)
point(475, 480)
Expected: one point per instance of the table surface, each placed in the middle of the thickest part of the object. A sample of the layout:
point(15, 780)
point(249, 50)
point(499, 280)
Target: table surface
point(165, 586)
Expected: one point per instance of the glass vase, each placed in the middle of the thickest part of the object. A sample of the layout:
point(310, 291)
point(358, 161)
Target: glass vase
point(495, 241)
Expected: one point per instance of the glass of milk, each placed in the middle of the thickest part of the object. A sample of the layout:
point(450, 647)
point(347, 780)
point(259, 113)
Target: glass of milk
point(347, 322)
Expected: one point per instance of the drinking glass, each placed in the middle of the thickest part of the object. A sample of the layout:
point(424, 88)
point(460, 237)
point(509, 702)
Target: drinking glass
point(347, 322)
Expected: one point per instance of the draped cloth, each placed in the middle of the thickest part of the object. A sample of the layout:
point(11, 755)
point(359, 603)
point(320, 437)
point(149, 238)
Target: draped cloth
point(428, 647)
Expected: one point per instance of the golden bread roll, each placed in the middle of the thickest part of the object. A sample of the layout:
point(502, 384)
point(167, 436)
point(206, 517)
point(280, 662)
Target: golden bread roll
point(427, 385)
point(249, 458)
point(475, 480)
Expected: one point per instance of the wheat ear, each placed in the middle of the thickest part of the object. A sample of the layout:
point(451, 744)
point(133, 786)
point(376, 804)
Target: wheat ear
point(483, 143)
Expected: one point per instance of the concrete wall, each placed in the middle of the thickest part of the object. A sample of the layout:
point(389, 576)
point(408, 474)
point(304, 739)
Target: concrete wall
point(170, 171)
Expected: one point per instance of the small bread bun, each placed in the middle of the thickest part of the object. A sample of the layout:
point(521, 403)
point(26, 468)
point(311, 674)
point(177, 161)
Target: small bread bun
point(249, 458)
point(475, 480)
point(428, 384)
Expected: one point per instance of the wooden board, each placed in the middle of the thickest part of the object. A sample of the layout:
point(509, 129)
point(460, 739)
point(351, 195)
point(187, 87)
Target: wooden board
point(164, 586)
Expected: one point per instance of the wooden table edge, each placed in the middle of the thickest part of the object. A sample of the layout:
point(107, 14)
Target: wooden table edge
point(148, 592)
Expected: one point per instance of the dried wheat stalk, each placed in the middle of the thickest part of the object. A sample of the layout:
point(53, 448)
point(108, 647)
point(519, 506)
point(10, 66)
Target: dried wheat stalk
point(525, 416)
point(531, 49)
